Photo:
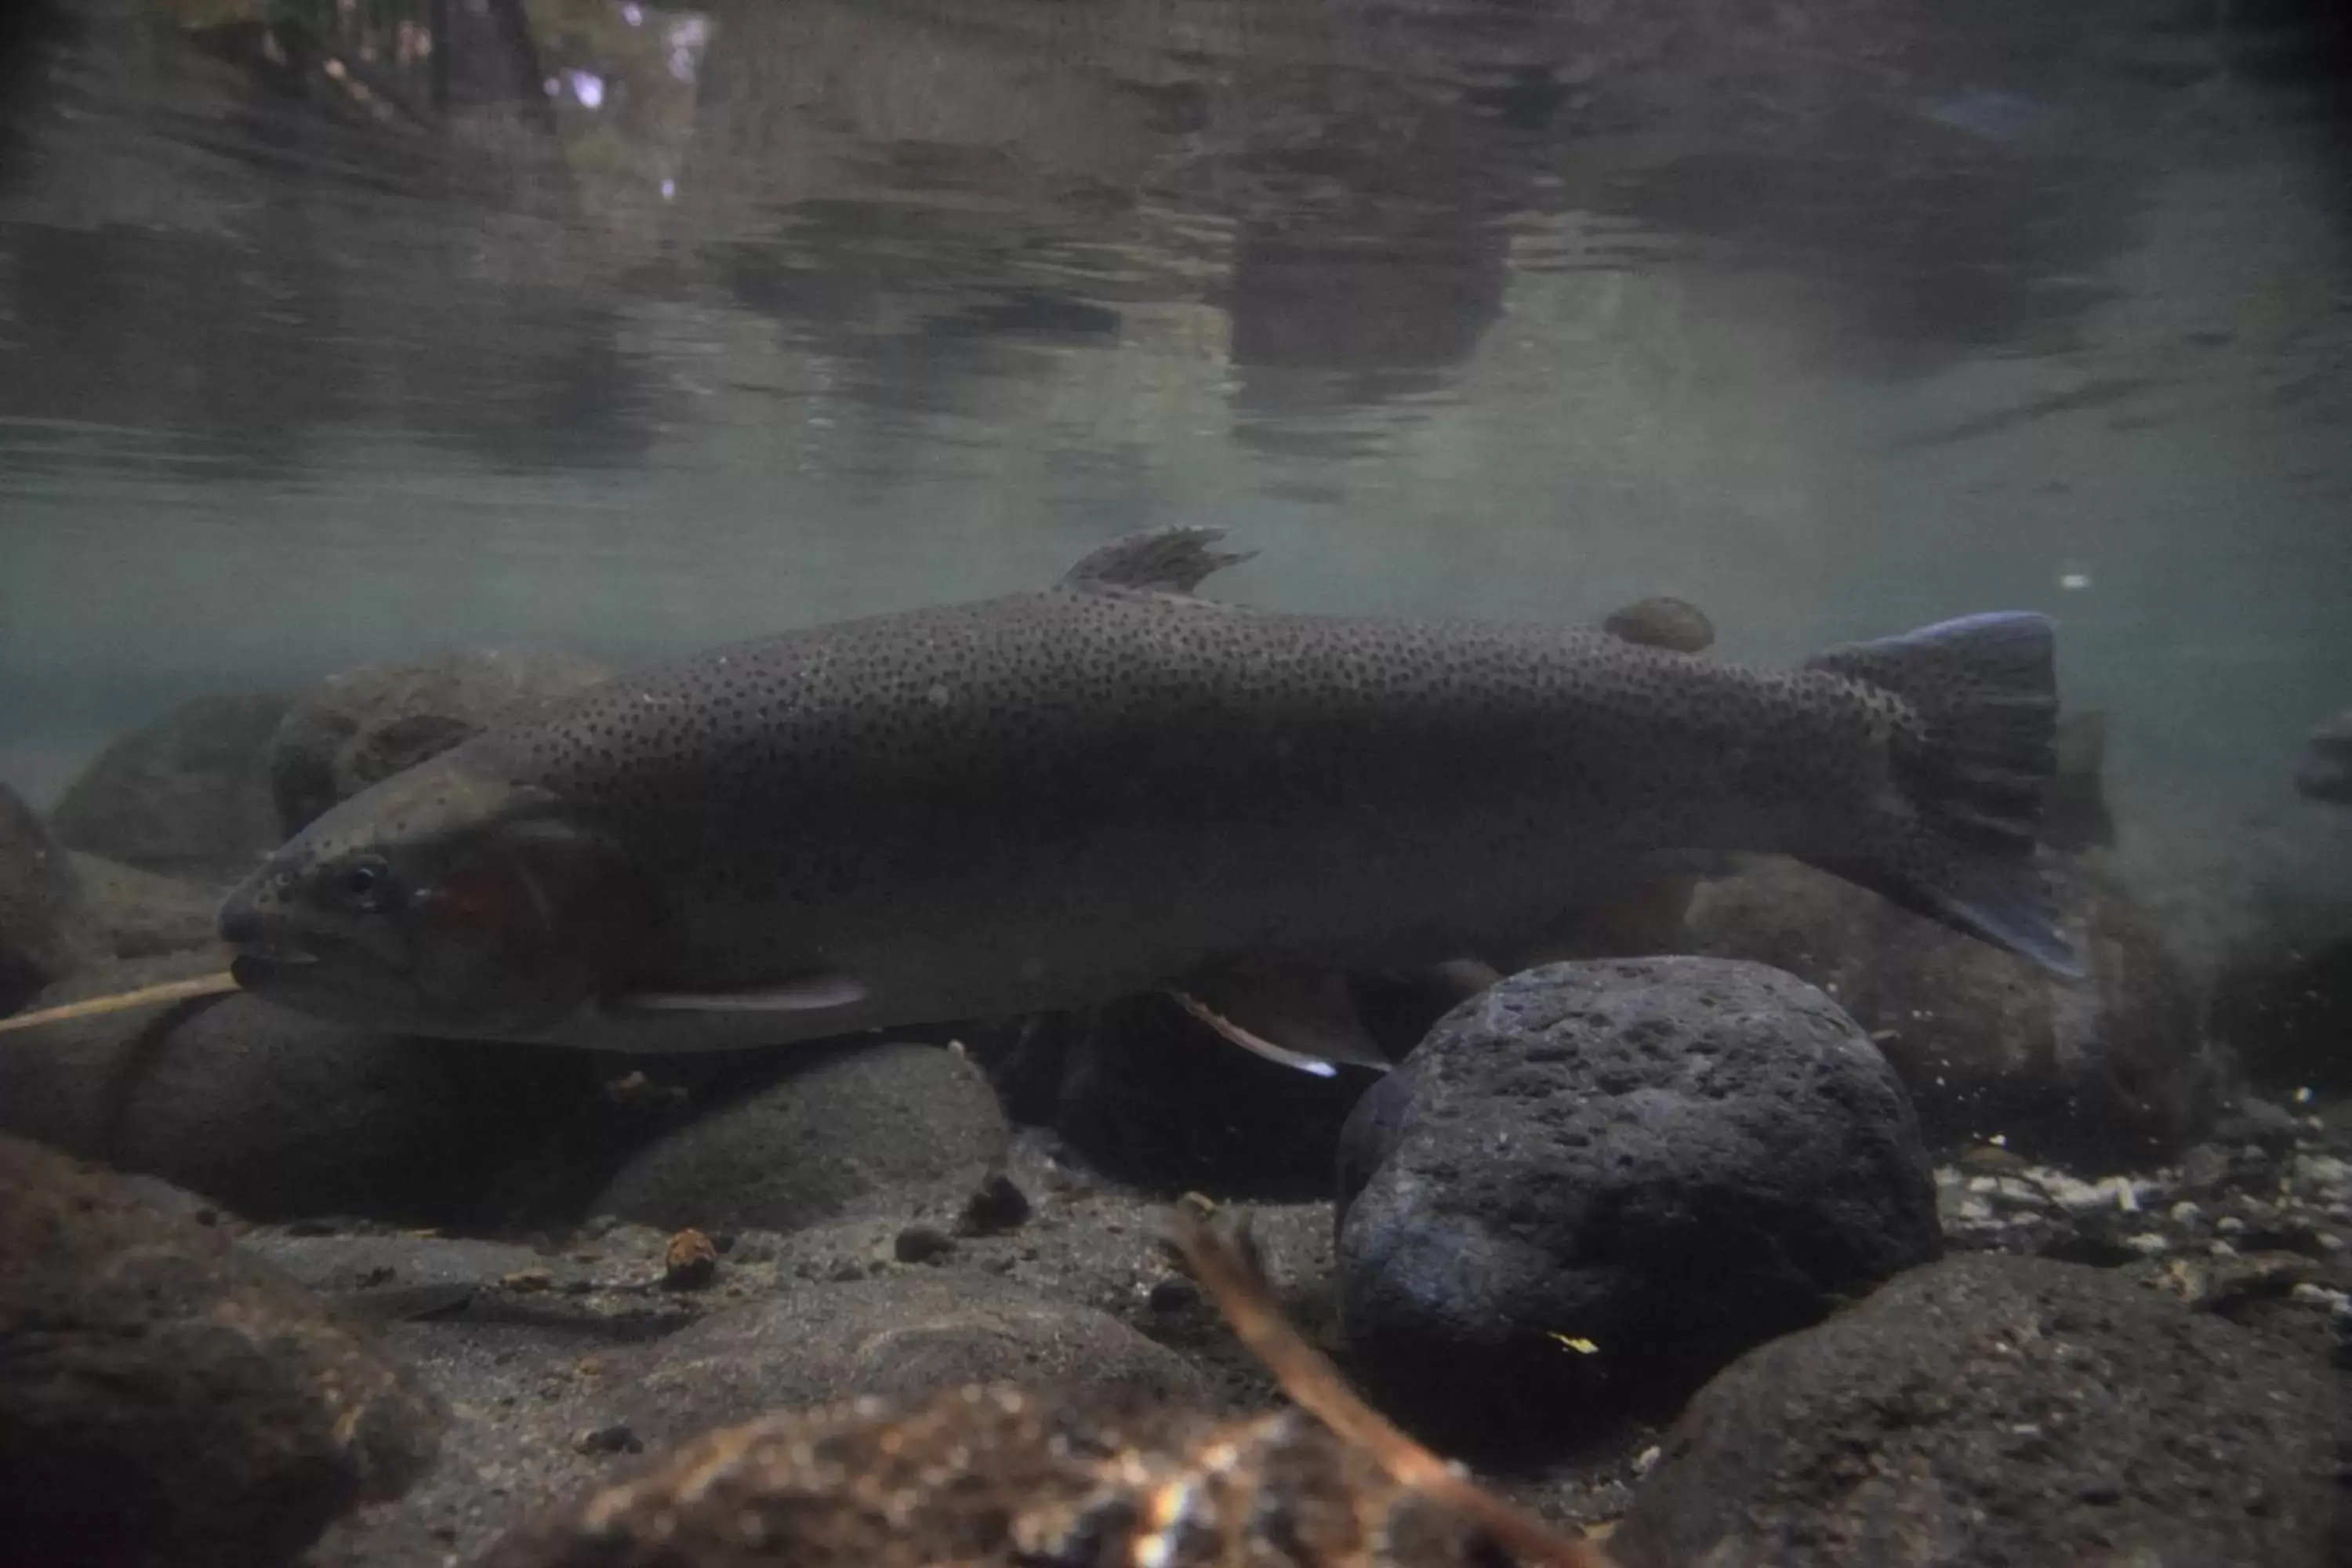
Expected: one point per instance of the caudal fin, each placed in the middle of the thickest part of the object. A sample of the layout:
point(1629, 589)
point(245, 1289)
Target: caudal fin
point(1959, 843)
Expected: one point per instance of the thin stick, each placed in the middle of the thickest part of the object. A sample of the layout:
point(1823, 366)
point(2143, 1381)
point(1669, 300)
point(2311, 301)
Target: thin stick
point(1226, 1271)
point(145, 997)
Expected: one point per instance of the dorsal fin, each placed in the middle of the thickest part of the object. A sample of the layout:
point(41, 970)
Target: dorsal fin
point(1662, 622)
point(1164, 561)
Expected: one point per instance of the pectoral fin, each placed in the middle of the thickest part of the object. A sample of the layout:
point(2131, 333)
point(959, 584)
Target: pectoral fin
point(1301, 1017)
point(810, 994)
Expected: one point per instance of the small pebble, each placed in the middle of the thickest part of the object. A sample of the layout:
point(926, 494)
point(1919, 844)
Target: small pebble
point(689, 1262)
point(2204, 1165)
point(1646, 1460)
point(617, 1439)
point(1172, 1294)
point(923, 1244)
point(2022, 1194)
point(2147, 1244)
point(2075, 1195)
point(530, 1279)
point(2323, 1171)
point(999, 1205)
point(2185, 1213)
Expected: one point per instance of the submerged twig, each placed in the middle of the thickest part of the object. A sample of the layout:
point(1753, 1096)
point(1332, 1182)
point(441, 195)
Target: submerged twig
point(145, 997)
point(1229, 1271)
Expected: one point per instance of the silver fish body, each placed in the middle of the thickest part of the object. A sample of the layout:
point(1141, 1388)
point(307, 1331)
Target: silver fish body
point(1110, 785)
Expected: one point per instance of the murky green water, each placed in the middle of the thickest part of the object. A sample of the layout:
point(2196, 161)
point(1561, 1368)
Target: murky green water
point(343, 332)
point(1834, 320)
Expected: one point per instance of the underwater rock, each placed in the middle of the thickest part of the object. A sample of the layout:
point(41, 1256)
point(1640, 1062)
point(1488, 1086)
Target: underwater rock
point(1990, 1409)
point(368, 724)
point(2113, 1070)
point(1369, 1137)
point(278, 1114)
point(1602, 1181)
point(2326, 770)
point(585, 1291)
point(899, 1336)
point(849, 1130)
point(2288, 1015)
point(186, 796)
point(1150, 1095)
point(2076, 815)
point(166, 1400)
point(44, 920)
point(385, 1275)
point(138, 914)
point(997, 1205)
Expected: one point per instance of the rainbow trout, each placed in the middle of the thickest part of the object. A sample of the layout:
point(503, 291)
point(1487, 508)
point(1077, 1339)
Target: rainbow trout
point(1112, 786)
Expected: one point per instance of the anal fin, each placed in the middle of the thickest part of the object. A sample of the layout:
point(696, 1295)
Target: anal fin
point(1302, 1016)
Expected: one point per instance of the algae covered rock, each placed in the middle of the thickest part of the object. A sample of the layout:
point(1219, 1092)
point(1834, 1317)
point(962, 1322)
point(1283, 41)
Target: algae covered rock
point(368, 724)
point(1599, 1182)
point(848, 1130)
point(278, 1114)
point(2325, 770)
point(1991, 1409)
point(166, 1400)
point(138, 914)
point(2108, 1072)
point(43, 917)
point(186, 796)
point(2286, 1012)
point(899, 1336)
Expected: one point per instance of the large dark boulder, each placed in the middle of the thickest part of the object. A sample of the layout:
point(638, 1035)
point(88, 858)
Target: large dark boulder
point(1597, 1182)
point(1992, 1409)
point(165, 1399)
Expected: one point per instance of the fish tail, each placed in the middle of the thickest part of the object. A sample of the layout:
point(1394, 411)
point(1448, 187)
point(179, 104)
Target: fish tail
point(1957, 843)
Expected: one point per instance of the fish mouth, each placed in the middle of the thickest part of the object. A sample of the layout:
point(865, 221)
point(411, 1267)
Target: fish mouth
point(277, 949)
point(281, 960)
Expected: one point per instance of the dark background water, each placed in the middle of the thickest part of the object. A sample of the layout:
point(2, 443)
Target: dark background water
point(337, 335)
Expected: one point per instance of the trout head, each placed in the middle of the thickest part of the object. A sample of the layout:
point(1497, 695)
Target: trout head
point(442, 901)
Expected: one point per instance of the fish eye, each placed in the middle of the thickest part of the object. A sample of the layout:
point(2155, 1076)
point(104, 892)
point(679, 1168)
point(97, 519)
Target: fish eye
point(365, 880)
